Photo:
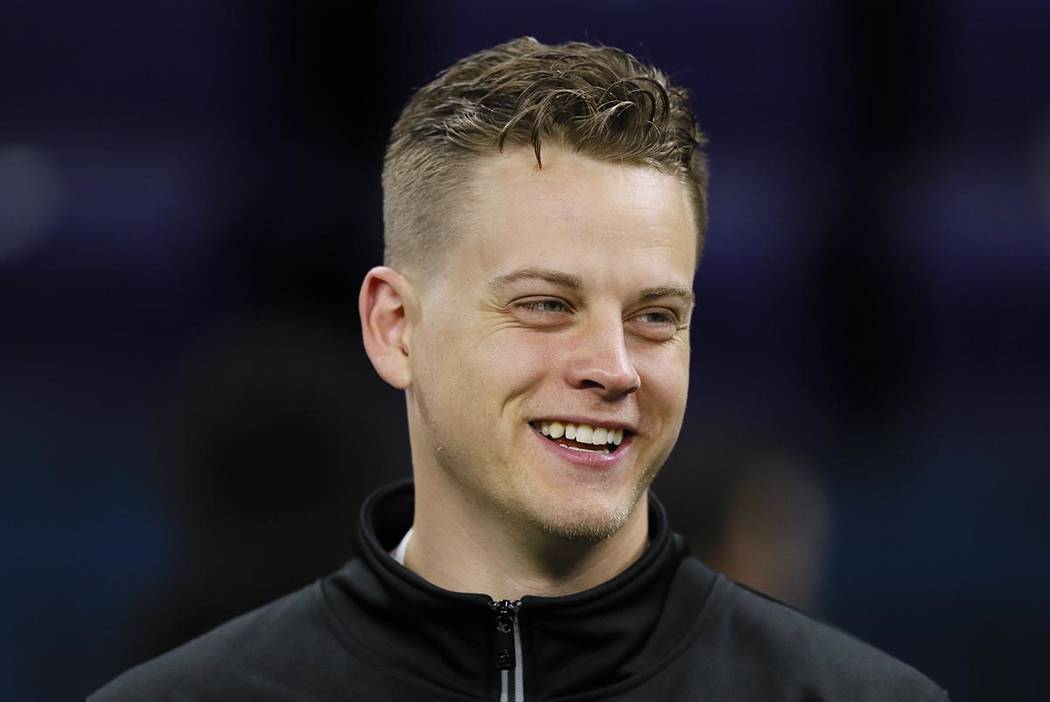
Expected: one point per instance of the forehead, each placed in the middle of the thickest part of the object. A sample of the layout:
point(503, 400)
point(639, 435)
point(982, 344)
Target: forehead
point(602, 221)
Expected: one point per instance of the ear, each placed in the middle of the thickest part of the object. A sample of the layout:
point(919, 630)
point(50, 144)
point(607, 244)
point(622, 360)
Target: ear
point(384, 303)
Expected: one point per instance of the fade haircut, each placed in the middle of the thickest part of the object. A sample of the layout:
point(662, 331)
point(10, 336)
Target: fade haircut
point(597, 100)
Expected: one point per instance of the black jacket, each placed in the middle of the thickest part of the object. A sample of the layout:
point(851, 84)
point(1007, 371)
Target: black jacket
point(667, 628)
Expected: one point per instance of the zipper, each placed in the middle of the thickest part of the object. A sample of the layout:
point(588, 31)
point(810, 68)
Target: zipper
point(508, 650)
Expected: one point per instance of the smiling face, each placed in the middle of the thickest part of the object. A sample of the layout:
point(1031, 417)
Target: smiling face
point(561, 310)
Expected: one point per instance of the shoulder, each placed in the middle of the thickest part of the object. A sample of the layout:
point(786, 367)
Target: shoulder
point(242, 659)
point(763, 642)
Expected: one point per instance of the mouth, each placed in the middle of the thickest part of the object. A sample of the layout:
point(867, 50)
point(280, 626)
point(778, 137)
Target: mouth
point(588, 438)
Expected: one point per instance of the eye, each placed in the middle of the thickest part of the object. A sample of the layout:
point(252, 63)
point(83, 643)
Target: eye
point(540, 312)
point(544, 306)
point(658, 318)
point(656, 324)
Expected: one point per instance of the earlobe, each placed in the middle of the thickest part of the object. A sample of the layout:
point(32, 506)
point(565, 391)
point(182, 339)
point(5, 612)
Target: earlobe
point(383, 305)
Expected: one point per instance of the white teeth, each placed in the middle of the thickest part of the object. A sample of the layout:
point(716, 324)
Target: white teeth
point(583, 433)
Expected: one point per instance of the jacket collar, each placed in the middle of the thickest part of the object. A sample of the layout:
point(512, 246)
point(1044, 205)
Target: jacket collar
point(447, 640)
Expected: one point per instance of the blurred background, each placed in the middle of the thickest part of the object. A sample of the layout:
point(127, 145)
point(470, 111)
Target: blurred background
point(189, 197)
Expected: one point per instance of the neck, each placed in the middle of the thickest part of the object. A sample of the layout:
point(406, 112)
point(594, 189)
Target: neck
point(459, 548)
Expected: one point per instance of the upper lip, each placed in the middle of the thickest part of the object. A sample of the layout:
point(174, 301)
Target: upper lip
point(590, 421)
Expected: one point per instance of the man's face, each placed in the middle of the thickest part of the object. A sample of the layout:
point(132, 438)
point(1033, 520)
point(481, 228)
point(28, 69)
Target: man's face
point(564, 301)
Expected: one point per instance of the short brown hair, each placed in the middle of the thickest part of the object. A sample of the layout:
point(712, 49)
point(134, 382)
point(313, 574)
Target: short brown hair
point(598, 100)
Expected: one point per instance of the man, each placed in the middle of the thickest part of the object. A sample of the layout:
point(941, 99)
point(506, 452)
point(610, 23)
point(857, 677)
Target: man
point(545, 207)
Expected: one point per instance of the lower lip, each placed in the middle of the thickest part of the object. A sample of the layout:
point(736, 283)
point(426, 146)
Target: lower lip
point(596, 460)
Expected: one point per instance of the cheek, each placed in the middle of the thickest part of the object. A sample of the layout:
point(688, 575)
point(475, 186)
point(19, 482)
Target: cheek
point(513, 360)
point(482, 373)
point(665, 379)
point(440, 373)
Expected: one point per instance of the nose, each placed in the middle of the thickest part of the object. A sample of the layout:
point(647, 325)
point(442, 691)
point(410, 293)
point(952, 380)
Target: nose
point(600, 360)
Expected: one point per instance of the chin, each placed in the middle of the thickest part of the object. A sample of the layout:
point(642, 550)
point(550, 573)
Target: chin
point(590, 518)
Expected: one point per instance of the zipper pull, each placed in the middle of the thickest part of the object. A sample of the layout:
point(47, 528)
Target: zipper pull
point(506, 614)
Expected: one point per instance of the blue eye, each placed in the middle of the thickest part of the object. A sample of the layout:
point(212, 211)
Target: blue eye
point(658, 325)
point(658, 318)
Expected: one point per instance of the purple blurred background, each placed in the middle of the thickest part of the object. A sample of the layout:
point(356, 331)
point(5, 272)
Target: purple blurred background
point(189, 197)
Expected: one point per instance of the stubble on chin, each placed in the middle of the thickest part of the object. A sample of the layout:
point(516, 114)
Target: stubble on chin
point(590, 515)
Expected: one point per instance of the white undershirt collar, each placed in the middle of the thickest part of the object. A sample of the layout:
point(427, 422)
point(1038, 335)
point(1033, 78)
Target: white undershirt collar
point(398, 554)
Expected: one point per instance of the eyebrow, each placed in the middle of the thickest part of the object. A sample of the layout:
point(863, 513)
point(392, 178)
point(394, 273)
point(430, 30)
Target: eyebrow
point(575, 283)
point(685, 294)
point(559, 278)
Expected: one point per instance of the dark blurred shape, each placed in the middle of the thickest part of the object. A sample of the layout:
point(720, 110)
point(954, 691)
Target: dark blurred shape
point(30, 200)
point(775, 532)
point(279, 433)
point(752, 509)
